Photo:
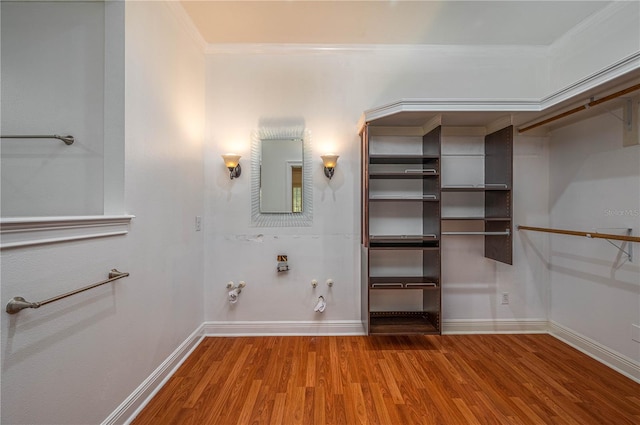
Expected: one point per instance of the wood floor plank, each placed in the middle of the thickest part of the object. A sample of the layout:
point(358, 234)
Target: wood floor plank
point(294, 406)
point(393, 380)
point(319, 403)
point(249, 402)
point(379, 404)
point(278, 409)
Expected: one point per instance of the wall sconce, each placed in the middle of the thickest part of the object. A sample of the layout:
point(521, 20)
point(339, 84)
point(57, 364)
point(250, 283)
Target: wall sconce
point(329, 161)
point(232, 161)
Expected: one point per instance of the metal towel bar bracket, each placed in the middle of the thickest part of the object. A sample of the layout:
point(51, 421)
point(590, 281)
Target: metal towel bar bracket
point(17, 304)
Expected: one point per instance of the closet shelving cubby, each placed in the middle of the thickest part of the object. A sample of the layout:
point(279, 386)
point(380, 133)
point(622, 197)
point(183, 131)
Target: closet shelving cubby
point(477, 189)
point(435, 171)
point(419, 188)
point(402, 229)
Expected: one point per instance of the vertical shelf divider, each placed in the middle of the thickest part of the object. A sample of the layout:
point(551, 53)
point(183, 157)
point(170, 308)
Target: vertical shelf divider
point(499, 202)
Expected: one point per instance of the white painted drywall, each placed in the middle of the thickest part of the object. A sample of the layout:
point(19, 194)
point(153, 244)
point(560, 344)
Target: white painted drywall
point(603, 39)
point(52, 83)
point(76, 360)
point(472, 285)
point(330, 88)
point(594, 185)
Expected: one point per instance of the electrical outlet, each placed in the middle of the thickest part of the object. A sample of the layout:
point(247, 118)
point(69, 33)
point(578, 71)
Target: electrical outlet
point(198, 223)
point(505, 298)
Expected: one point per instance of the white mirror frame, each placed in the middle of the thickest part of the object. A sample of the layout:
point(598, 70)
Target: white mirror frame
point(303, 219)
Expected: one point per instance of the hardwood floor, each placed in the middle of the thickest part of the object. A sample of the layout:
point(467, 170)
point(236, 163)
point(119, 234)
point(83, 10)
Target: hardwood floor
point(403, 380)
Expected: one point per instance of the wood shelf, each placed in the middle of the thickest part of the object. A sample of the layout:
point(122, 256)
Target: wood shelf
point(476, 218)
point(401, 175)
point(404, 282)
point(403, 199)
point(402, 159)
point(403, 322)
point(473, 189)
point(404, 242)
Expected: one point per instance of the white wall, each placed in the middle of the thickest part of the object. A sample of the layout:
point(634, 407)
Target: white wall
point(330, 89)
point(76, 360)
point(53, 60)
point(473, 285)
point(594, 184)
point(605, 38)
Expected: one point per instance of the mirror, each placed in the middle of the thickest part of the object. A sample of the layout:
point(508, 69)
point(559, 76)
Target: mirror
point(281, 176)
point(281, 190)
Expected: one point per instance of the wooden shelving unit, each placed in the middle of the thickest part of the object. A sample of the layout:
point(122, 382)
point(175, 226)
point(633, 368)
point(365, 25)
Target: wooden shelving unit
point(402, 222)
point(494, 191)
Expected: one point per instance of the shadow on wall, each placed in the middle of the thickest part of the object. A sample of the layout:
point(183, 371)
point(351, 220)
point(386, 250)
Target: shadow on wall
point(27, 323)
point(619, 264)
point(584, 152)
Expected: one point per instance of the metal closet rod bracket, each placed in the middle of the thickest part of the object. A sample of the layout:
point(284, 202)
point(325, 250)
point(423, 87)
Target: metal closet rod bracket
point(628, 253)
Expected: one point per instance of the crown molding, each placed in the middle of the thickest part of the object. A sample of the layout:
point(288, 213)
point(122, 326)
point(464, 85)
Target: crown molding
point(609, 74)
point(597, 20)
point(462, 50)
point(185, 21)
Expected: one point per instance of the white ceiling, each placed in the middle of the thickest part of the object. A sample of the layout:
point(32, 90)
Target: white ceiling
point(388, 22)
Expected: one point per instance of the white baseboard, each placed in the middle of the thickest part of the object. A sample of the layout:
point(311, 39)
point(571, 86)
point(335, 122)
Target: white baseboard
point(276, 328)
point(500, 326)
point(132, 405)
point(616, 361)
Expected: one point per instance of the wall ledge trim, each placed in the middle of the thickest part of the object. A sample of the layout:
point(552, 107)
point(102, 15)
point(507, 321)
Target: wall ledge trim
point(616, 361)
point(18, 232)
point(140, 397)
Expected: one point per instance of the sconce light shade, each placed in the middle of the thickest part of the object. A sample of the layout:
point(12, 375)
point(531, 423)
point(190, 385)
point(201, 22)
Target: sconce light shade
point(232, 162)
point(329, 161)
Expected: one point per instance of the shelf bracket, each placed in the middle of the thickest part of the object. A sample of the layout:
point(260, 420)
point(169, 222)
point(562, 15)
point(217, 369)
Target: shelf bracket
point(631, 116)
point(628, 253)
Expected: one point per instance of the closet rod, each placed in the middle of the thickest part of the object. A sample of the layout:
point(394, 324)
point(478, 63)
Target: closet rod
point(626, 238)
point(16, 304)
point(581, 108)
point(68, 140)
